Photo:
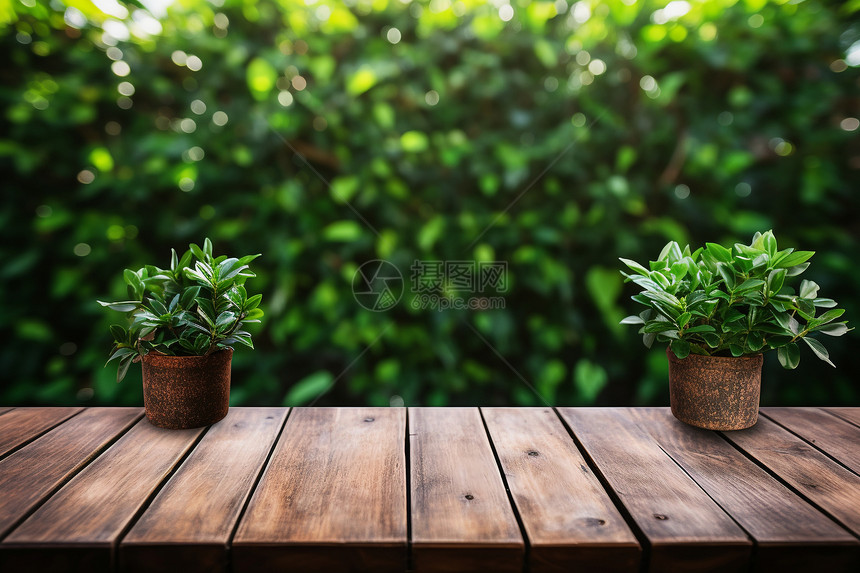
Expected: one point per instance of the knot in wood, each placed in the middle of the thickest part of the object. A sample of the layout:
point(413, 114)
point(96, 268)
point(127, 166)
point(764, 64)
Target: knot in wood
point(660, 516)
point(533, 453)
point(469, 496)
point(368, 419)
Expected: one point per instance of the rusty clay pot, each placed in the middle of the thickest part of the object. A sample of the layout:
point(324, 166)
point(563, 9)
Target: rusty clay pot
point(715, 392)
point(186, 391)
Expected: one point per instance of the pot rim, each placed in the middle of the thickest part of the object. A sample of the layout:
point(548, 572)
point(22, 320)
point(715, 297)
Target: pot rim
point(725, 359)
point(154, 357)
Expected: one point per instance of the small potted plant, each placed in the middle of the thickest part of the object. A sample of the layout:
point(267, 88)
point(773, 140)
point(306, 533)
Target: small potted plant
point(719, 308)
point(183, 324)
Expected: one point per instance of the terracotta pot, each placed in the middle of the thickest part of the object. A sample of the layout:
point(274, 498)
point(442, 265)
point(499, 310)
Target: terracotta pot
point(186, 391)
point(715, 392)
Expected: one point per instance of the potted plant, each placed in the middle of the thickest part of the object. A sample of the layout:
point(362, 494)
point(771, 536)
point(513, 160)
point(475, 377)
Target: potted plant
point(183, 324)
point(719, 308)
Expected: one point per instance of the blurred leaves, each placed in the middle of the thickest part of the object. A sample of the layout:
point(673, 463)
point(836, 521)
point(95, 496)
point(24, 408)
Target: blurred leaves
point(555, 136)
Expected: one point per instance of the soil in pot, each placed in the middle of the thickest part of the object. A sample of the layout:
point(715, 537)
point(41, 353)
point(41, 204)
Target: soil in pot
point(186, 391)
point(715, 392)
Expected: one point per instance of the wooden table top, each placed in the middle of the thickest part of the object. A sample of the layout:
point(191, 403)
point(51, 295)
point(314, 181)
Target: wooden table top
point(428, 489)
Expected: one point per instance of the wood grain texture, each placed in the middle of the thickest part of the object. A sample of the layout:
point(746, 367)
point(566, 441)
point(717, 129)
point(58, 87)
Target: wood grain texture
point(685, 529)
point(825, 431)
point(849, 414)
point(569, 519)
point(333, 497)
point(30, 474)
point(21, 425)
point(827, 484)
point(462, 519)
point(789, 533)
point(4, 410)
point(187, 527)
point(77, 528)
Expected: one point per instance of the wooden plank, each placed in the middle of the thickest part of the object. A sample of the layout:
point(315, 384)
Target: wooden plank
point(333, 497)
point(685, 529)
point(187, 527)
point(4, 410)
point(21, 425)
point(827, 484)
point(30, 474)
point(462, 519)
point(570, 521)
point(825, 431)
point(850, 414)
point(77, 528)
point(788, 532)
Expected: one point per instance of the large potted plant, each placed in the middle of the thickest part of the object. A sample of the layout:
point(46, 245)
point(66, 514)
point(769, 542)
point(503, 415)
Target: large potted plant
point(182, 325)
point(719, 308)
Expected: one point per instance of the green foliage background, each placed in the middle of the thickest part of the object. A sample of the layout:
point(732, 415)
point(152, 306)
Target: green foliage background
point(557, 141)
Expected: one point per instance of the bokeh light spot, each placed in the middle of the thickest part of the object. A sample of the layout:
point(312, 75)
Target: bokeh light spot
point(431, 97)
point(849, 124)
point(219, 118)
point(120, 68)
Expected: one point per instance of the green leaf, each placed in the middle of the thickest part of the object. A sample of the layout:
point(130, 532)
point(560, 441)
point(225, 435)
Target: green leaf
point(659, 326)
point(122, 306)
point(789, 356)
point(185, 260)
point(157, 307)
point(787, 322)
point(808, 289)
point(225, 319)
point(684, 319)
point(188, 296)
point(124, 363)
point(635, 267)
point(197, 251)
point(253, 302)
point(727, 274)
point(700, 328)
point(681, 348)
point(775, 280)
point(829, 316)
point(755, 341)
point(121, 353)
point(711, 339)
point(749, 284)
point(794, 271)
point(818, 349)
point(648, 339)
point(736, 350)
point(205, 317)
point(671, 253)
point(719, 252)
point(793, 259)
point(834, 329)
point(119, 333)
